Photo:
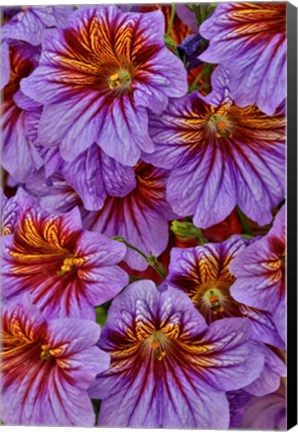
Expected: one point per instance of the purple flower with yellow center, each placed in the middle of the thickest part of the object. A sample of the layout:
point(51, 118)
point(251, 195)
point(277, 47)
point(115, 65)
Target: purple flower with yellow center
point(220, 157)
point(168, 368)
point(250, 38)
point(203, 273)
point(66, 269)
point(260, 273)
point(47, 367)
point(99, 76)
point(18, 150)
point(29, 23)
point(141, 217)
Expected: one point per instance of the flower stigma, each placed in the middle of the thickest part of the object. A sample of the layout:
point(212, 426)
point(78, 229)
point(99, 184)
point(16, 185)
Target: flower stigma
point(213, 298)
point(155, 343)
point(121, 79)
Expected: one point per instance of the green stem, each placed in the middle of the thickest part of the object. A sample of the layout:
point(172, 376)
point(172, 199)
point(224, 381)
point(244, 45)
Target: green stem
point(130, 246)
point(197, 79)
point(173, 12)
point(160, 269)
point(244, 221)
point(152, 261)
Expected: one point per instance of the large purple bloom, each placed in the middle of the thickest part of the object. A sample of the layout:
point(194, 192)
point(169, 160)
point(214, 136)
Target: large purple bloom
point(29, 23)
point(168, 368)
point(220, 157)
point(260, 273)
point(18, 149)
point(203, 273)
point(47, 367)
point(66, 269)
point(97, 79)
point(250, 38)
point(141, 217)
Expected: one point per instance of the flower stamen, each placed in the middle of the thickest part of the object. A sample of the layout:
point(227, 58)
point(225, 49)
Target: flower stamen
point(121, 79)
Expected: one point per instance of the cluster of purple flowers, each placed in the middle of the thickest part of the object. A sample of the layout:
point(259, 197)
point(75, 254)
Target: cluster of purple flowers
point(124, 144)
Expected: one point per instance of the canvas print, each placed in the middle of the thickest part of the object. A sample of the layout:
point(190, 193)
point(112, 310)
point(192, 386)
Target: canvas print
point(143, 215)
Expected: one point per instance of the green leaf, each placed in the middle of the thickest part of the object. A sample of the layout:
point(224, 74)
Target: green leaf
point(101, 315)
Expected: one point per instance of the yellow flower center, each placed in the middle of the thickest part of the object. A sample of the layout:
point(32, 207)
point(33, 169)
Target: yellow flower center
point(156, 344)
point(47, 352)
point(219, 122)
point(121, 79)
point(214, 299)
point(69, 264)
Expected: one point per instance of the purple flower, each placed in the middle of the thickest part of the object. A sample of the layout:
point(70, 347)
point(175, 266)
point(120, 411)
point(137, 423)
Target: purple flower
point(141, 217)
point(53, 193)
point(93, 175)
point(237, 401)
point(260, 274)
point(219, 158)
point(11, 209)
point(269, 379)
point(97, 86)
point(47, 367)
point(250, 38)
point(203, 273)
point(18, 150)
point(168, 368)
point(29, 23)
point(190, 48)
point(267, 412)
point(66, 269)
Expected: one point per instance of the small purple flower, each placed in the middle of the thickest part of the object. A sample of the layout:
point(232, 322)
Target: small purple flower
point(18, 150)
point(141, 217)
point(47, 367)
point(98, 86)
point(190, 48)
point(250, 38)
point(260, 274)
point(203, 273)
point(29, 23)
point(168, 368)
point(219, 158)
point(66, 269)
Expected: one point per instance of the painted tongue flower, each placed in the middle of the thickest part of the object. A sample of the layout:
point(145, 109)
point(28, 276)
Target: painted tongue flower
point(167, 367)
point(66, 269)
point(30, 23)
point(98, 77)
point(250, 38)
point(17, 110)
point(220, 157)
point(203, 273)
point(260, 273)
point(47, 367)
point(141, 217)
